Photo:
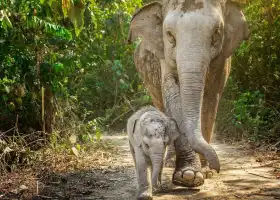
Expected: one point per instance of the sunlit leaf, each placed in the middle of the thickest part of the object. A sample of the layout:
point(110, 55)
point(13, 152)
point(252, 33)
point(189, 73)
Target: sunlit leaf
point(75, 151)
point(59, 31)
point(6, 23)
point(66, 6)
point(58, 67)
point(73, 139)
point(7, 89)
point(98, 134)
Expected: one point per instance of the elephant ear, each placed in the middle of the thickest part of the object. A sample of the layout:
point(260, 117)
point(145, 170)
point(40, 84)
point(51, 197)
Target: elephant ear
point(137, 133)
point(147, 24)
point(142, 128)
point(236, 28)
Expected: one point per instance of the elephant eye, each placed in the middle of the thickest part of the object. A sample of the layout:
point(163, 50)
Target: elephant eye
point(147, 146)
point(216, 37)
point(171, 38)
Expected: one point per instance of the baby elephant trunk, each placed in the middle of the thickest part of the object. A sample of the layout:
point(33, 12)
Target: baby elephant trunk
point(157, 165)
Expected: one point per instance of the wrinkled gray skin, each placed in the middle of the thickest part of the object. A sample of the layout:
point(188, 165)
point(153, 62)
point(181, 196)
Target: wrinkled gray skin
point(184, 61)
point(150, 133)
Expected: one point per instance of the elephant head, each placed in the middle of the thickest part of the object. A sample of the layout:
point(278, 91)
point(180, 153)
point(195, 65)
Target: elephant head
point(189, 36)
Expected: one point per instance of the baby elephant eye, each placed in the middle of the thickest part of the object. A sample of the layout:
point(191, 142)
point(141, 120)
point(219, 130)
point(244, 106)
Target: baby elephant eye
point(147, 146)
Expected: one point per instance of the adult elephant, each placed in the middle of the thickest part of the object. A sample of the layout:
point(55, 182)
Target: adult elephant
point(184, 61)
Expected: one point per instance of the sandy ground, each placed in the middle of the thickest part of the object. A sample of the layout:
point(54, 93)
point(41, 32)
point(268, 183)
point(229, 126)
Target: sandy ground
point(241, 177)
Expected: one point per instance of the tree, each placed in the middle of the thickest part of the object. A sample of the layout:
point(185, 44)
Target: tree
point(74, 51)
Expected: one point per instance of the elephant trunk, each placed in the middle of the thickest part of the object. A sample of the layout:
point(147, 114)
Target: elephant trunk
point(157, 164)
point(192, 68)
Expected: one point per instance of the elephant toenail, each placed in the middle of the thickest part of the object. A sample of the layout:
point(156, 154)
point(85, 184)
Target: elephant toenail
point(198, 179)
point(188, 175)
point(199, 175)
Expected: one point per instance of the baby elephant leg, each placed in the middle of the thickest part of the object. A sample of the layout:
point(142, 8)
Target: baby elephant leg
point(170, 158)
point(141, 165)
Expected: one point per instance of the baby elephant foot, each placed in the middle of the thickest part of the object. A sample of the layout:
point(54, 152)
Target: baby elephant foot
point(145, 197)
point(157, 188)
point(144, 194)
point(188, 177)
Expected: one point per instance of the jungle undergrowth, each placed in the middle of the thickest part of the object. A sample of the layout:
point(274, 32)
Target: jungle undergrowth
point(23, 167)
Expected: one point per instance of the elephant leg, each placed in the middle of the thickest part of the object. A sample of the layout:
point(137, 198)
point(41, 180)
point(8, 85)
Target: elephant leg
point(170, 156)
point(144, 190)
point(160, 175)
point(188, 168)
point(215, 82)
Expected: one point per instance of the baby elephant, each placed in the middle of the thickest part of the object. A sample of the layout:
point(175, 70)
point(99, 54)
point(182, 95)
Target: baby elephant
point(150, 132)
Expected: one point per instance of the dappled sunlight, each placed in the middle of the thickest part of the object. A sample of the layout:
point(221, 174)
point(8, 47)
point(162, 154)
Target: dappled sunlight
point(240, 176)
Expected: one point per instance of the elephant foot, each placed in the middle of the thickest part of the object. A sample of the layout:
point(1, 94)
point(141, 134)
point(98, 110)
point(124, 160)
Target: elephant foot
point(188, 172)
point(157, 189)
point(188, 167)
point(188, 177)
point(145, 194)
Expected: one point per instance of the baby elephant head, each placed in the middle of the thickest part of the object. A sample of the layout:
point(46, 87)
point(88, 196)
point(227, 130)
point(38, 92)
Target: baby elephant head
point(157, 132)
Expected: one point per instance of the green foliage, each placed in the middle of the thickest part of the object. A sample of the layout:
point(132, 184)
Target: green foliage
point(49, 28)
point(77, 50)
point(250, 104)
point(248, 117)
point(5, 21)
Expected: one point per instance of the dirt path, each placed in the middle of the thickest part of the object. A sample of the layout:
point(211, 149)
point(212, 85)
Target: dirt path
point(241, 177)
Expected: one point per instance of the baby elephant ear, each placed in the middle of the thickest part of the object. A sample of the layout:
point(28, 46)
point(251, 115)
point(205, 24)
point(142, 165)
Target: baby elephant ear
point(147, 23)
point(236, 28)
point(136, 133)
point(173, 129)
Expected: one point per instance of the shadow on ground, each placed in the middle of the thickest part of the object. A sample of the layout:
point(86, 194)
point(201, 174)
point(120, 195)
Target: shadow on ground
point(94, 184)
